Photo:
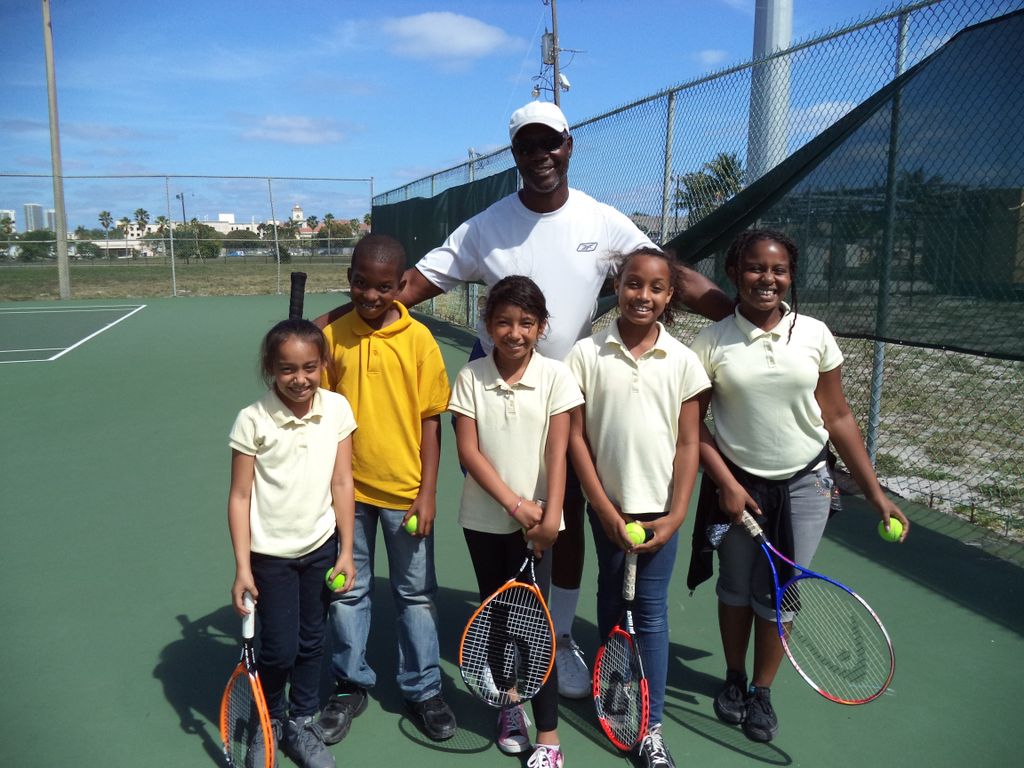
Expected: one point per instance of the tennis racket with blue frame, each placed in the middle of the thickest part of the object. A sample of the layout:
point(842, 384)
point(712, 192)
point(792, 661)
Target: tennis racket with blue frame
point(832, 637)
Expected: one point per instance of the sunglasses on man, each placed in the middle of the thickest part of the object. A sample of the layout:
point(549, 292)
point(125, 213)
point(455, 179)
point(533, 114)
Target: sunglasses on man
point(550, 142)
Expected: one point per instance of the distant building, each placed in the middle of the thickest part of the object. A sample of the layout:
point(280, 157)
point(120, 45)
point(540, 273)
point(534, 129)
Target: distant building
point(297, 215)
point(51, 220)
point(33, 217)
point(6, 214)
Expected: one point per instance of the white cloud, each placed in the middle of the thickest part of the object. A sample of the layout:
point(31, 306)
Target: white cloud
point(294, 129)
point(711, 57)
point(817, 117)
point(446, 37)
point(746, 6)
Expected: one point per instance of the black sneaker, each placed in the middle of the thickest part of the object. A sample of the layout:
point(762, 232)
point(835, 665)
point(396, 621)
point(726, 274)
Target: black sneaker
point(653, 753)
point(304, 744)
point(731, 701)
point(760, 723)
point(348, 702)
point(434, 717)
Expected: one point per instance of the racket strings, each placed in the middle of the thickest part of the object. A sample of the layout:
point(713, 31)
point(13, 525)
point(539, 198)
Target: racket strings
point(618, 690)
point(835, 641)
point(243, 726)
point(507, 649)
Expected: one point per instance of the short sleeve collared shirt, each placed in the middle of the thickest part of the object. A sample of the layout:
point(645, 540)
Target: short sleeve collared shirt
point(512, 430)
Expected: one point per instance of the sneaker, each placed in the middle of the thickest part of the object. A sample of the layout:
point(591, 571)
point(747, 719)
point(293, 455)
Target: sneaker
point(304, 744)
point(434, 717)
point(573, 676)
point(512, 736)
point(731, 701)
point(348, 702)
point(256, 757)
point(653, 752)
point(546, 756)
point(760, 722)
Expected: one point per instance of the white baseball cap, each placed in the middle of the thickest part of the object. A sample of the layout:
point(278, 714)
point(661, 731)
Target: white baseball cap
point(540, 112)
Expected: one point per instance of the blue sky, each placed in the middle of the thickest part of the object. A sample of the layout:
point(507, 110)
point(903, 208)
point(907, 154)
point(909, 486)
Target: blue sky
point(392, 89)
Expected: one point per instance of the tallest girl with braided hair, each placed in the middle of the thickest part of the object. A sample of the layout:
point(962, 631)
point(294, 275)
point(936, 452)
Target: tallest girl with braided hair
point(777, 399)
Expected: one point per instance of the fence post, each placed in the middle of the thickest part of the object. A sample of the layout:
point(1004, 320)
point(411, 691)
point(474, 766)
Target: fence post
point(170, 228)
point(273, 219)
point(666, 179)
point(888, 246)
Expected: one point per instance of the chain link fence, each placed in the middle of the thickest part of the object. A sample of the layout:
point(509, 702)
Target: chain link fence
point(943, 413)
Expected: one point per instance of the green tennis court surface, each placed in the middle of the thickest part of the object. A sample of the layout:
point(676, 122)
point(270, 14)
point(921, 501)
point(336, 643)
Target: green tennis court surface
point(44, 333)
point(116, 638)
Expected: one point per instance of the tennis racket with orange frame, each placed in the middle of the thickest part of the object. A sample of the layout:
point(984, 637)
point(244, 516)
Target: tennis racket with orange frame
point(244, 719)
point(508, 646)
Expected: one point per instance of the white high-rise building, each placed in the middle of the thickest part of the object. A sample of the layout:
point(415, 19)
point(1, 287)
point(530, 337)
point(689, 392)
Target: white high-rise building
point(51, 220)
point(33, 217)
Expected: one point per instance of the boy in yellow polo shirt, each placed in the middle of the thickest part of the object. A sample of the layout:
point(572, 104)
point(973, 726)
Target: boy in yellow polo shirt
point(390, 369)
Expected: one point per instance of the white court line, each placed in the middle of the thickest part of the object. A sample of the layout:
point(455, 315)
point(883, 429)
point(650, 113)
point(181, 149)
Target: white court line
point(97, 333)
point(78, 343)
point(54, 310)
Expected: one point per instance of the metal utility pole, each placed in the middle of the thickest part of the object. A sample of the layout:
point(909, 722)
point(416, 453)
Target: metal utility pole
point(768, 130)
point(61, 224)
point(555, 81)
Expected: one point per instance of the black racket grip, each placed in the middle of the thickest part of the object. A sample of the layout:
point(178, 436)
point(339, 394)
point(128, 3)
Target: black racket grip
point(298, 295)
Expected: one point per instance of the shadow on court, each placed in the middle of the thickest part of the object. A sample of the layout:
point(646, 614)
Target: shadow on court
point(936, 557)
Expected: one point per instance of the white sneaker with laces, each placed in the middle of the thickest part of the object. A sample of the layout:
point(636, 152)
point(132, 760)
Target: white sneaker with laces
point(573, 676)
point(653, 752)
point(513, 738)
point(546, 756)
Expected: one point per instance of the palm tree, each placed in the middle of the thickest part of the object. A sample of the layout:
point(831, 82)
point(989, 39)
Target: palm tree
point(141, 220)
point(367, 219)
point(7, 229)
point(328, 221)
point(704, 190)
point(162, 223)
point(124, 222)
point(312, 222)
point(105, 221)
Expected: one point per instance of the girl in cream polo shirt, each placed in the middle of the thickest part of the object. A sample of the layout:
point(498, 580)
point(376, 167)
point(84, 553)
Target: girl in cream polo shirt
point(635, 448)
point(777, 399)
point(512, 429)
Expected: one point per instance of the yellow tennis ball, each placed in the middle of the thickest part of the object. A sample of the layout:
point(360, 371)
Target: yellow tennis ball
point(410, 524)
point(894, 532)
point(334, 582)
point(636, 533)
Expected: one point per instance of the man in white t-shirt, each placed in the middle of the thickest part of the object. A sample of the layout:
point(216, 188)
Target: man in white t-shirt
point(565, 241)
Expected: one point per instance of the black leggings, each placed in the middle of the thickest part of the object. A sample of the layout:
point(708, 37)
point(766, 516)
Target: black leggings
point(496, 559)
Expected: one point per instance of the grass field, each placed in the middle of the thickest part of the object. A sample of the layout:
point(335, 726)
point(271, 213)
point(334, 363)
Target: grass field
point(220, 277)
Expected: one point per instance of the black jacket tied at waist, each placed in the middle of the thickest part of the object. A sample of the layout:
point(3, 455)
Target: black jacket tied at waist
point(772, 497)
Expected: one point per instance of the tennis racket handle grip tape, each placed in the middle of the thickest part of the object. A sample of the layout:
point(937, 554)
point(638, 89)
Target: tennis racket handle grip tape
point(297, 296)
point(751, 525)
point(249, 621)
point(629, 578)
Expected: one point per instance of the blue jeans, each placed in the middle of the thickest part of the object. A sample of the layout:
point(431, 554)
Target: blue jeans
point(650, 605)
point(291, 609)
point(413, 587)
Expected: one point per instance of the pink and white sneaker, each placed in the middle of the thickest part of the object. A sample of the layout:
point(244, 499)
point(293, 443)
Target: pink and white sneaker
point(513, 738)
point(546, 756)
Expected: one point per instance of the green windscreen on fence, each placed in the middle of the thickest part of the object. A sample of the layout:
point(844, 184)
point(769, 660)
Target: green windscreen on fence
point(909, 211)
point(423, 223)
